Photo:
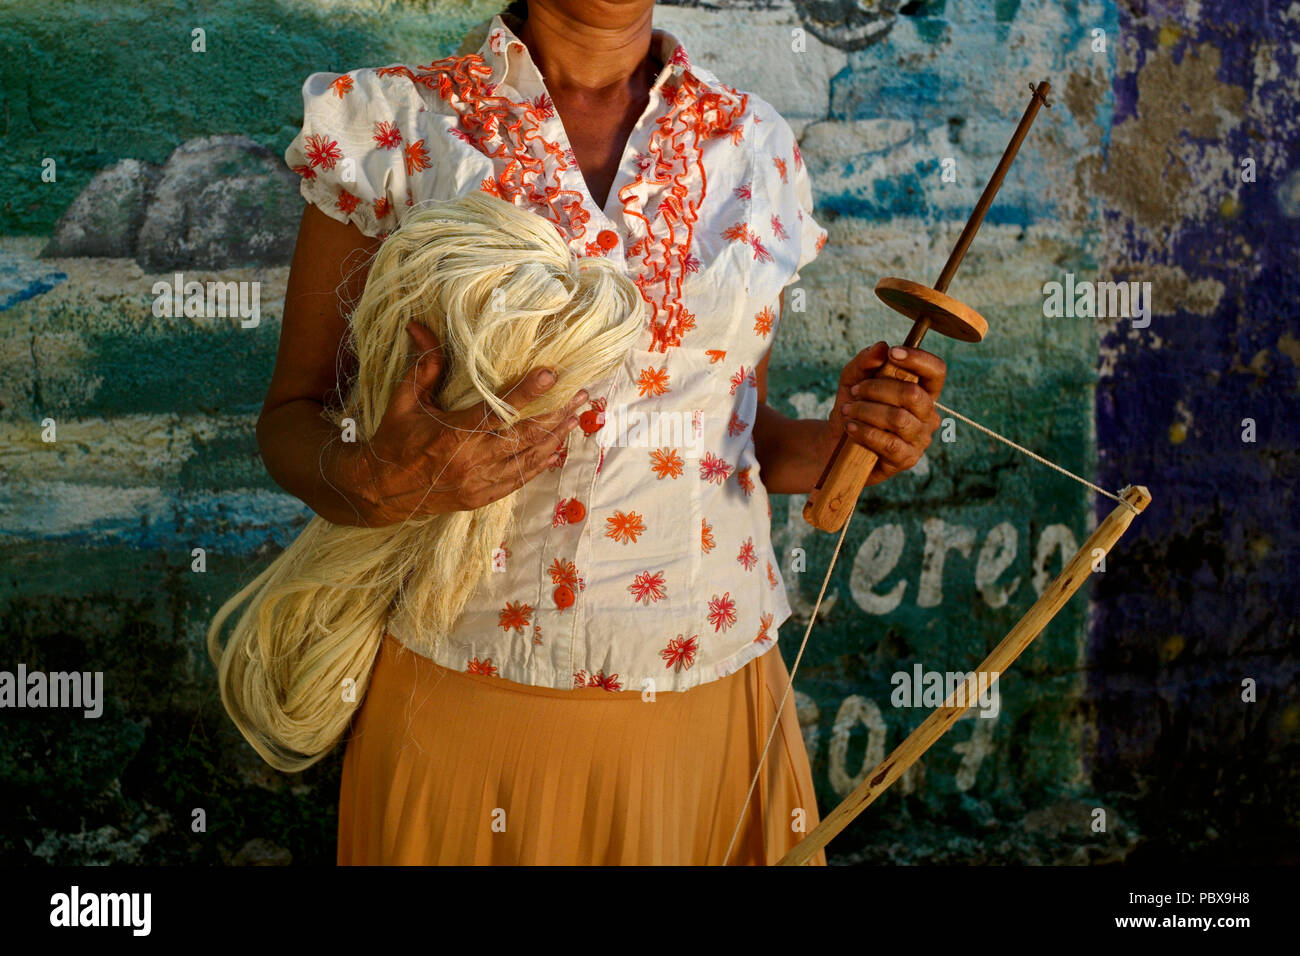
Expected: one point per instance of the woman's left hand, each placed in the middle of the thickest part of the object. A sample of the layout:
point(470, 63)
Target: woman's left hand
point(892, 418)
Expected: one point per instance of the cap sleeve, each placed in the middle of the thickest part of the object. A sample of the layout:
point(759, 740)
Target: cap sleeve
point(789, 191)
point(370, 147)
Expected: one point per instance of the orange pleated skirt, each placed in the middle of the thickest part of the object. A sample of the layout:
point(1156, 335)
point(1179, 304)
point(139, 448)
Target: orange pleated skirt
point(444, 767)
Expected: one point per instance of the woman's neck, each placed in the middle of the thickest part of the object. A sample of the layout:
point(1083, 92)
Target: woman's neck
point(603, 50)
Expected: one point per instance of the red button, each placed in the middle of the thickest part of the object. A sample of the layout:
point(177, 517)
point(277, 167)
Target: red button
point(607, 239)
point(563, 596)
point(574, 511)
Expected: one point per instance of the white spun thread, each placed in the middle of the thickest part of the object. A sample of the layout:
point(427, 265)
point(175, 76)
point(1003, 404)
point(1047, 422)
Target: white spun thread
point(1038, 458)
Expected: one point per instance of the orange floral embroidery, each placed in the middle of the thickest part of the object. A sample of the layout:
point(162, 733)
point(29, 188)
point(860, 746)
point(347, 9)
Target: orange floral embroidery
point(722, 612)
point(624, 526)
point(736, 426)
point(706, 536)
point(741, 232)
point(747, 557)
point(322, 152)
point(681, 652)
point(695, 115)
point(685, 320)
point(563, 572)
point(342, 85)
point(515, 616)
point(560, 515)
point(713, 469)
point(715, 355)
point(821, 241)
point(653, 381)
point(545, 108)
point(666, 463)
point(737, 233)
point(382, 207)
point(506, 130)
point(387, 135)
point(780, 167)
point(648, 587)
point(763, 321)
point(763, 624)
point(484, 667)
point(771, 577)
point(599, 679)
point(346, 201)
point(417, 157)
point(746, 483)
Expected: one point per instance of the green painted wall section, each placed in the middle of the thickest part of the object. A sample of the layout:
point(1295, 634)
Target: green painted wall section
point(93, 82)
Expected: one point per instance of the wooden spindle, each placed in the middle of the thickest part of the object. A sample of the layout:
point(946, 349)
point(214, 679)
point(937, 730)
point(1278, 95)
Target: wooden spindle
point(850, 465)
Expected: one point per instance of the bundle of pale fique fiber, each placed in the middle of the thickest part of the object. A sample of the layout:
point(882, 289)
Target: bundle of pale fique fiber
point(504, 295)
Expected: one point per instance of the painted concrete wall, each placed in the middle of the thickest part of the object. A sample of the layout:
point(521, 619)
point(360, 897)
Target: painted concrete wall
point(1131, 704)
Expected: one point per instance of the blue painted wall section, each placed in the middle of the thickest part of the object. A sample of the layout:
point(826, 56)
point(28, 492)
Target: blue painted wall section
point(1207, 597)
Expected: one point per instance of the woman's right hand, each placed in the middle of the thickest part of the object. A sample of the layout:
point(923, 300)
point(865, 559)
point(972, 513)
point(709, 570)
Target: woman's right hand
point(425, 460)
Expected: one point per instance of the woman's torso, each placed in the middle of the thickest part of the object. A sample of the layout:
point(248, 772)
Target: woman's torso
point(642, 561)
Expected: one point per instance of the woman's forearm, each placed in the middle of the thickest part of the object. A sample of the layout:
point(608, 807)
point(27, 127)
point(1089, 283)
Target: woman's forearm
point(307, 457)
point(791, 451)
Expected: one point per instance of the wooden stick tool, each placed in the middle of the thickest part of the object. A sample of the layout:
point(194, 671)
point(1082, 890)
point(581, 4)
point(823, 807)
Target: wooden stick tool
point(882, 776)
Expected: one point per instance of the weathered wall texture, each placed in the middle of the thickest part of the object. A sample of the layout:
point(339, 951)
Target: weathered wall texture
point(1132, 705)
point(1204, 403)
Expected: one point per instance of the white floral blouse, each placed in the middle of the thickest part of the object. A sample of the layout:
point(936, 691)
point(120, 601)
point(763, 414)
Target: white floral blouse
point(643, 560)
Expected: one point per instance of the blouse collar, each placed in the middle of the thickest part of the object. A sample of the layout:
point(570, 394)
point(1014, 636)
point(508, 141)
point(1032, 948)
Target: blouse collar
point(510, 60)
